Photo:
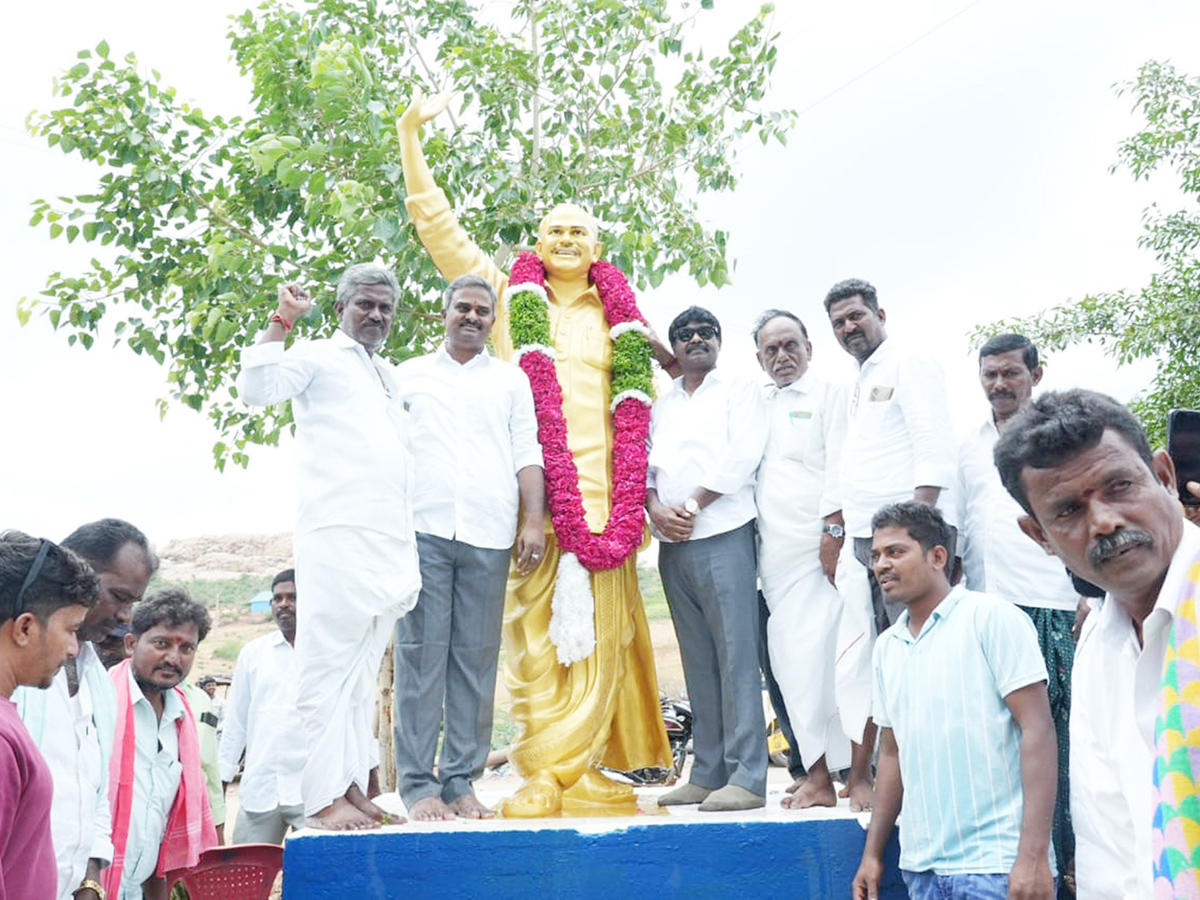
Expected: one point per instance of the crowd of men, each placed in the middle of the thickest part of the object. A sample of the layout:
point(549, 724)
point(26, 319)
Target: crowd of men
point(914, 592)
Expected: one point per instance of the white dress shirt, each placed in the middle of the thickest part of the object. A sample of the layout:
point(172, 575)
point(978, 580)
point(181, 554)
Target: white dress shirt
point(712, 438)
point(998, 557)
point(898, 436)
point(1115, 690)
point(80, 821)
point(261, 718)
point(351, 463)
point(797, 483)
point(471, 429)
point(156, 776)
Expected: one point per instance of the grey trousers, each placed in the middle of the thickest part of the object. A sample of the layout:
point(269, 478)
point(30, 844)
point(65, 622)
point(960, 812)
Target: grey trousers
point(267, 827)
point(710, 587)
point(447, 648)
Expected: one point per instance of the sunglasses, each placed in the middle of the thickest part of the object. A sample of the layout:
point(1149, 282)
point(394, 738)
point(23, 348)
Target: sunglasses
point(706, 332)
point(32, 575)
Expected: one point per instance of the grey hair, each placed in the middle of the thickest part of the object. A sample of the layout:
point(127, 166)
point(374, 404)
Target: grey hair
point(361, 274)
point(770, 314)
point(463, 282)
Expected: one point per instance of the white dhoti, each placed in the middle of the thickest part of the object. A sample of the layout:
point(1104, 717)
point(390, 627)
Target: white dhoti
point(352, 585)
point(802, 631)
point(855, 642)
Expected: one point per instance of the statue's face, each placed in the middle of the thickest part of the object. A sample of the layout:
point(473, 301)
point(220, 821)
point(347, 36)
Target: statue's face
point(567, 242)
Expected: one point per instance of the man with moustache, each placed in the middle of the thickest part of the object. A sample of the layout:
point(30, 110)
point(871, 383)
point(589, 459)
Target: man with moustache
point(1095, 495)
point(72, 722)
point(899, 446)
point(800, 535)
point(161, 818)
point(706, 440)
point(999, 559)
point(966, 745)
point(45, 593)
point(262, 720)
point(473, 430)
point(356, 557)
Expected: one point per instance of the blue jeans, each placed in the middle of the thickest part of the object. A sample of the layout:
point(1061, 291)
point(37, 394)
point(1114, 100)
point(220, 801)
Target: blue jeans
point(928, 886)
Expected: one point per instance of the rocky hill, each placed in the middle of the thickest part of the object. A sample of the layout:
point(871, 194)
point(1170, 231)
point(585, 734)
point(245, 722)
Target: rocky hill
point(225, 556)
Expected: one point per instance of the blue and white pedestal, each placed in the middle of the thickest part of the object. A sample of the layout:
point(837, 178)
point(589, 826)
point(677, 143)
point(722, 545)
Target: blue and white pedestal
point(769, 853)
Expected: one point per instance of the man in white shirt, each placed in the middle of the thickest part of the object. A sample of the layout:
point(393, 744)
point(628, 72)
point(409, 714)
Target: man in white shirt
point(1080, 466)
point(706, 439)
point(473, 433)
point(899, 446)
point(998, 558)
point(72, 722)
point(356, 557)
point(800, 536)
point(262, 720)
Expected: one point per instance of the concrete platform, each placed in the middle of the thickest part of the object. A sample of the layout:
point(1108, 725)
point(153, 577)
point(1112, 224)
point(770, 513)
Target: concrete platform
point(771, 852)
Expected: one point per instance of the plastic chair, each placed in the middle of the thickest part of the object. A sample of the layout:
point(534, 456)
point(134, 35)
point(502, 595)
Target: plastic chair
point(236, 872)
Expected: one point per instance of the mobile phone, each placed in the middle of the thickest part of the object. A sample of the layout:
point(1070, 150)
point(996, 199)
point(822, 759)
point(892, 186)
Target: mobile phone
point(1183, 445)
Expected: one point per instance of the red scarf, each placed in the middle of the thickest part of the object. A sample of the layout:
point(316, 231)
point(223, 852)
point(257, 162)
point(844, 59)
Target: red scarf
point(190, 829)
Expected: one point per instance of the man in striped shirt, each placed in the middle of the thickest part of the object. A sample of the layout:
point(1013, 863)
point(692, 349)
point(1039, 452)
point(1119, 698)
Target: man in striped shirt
point(966, 742)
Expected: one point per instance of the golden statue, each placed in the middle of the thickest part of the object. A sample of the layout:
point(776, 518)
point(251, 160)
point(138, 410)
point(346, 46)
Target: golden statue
point(603, 709)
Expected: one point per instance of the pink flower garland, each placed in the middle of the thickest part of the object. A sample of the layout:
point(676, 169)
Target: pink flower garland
point(631, 427)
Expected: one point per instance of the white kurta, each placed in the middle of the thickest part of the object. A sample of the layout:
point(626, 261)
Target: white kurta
point(1115, 690)
point(797, 488)
point(899, 437)
point(998, 557)
point(356, 557)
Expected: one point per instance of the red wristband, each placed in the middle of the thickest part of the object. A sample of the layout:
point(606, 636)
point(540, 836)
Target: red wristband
point(287, 326)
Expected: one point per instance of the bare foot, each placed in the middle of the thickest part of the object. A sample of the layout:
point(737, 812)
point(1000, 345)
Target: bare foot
point(797, 784)
point(341, 815)
point(355, 796)
point(862, 793)
point(469, 807)
point(430, 809)
point(811, 793)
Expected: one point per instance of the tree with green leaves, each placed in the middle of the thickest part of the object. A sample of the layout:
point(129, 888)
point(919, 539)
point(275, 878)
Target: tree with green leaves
point(198, 217)
point(1161, 321)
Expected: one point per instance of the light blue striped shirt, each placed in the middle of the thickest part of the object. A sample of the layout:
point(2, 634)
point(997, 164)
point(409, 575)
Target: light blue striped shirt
point(942, 694)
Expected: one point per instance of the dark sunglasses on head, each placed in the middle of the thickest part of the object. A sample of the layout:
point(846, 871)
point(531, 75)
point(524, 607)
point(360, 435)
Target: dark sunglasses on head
point(706, 332)
point(32, 575)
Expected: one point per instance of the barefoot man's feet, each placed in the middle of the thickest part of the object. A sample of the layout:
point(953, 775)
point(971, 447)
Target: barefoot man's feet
point(469, 807)
point(816, 790)
point(430, 809)
point(862, 793)
point(796, 785)
point(360, 801)
point(341, 815)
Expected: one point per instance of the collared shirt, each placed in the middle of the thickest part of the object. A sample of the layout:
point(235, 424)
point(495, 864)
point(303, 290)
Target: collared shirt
point(351, 463)
point(899, 436)
point(79, 814)
point(797, 483)
point(942, 694)
point(156, 777)
point(471, 430)
point(582, 347)
point(712, 438)
point(998, 557)
point(261, 718)
point(1115, 690)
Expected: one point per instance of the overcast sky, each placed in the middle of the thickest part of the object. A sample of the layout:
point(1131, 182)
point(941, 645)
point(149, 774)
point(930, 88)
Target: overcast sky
point(955, 154)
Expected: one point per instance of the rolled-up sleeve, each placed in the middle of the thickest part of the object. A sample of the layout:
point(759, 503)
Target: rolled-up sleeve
point(749, 426)
point(927, 415)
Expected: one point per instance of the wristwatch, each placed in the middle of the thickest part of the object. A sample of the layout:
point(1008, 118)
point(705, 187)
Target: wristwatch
point(90, 884)
point(691, 505)
point(835, 531)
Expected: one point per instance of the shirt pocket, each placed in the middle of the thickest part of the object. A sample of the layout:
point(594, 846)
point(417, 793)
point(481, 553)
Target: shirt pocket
point(798, 437)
